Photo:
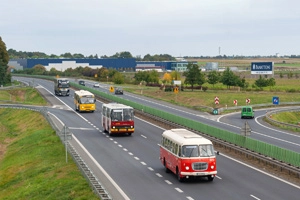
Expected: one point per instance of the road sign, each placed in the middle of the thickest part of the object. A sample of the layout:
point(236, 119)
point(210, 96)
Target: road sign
point(176, 90)
point(217, 100)
point(247, 101)
point(111, 89)
point(215, 111)
point(235, 102)
point(276, 100)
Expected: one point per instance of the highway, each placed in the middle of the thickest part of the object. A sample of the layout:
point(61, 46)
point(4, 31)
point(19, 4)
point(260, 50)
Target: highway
point(132, 162)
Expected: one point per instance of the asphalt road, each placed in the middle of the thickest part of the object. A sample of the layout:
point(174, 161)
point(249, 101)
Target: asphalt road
point(133, 164)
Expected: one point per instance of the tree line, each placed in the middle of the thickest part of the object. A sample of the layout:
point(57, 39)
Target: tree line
point(13, 54)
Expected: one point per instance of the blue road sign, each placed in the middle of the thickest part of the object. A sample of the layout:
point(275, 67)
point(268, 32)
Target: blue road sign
point(276, 100)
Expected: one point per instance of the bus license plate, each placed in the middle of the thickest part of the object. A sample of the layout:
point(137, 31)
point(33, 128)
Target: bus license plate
point(200, 174)
point(122, 129)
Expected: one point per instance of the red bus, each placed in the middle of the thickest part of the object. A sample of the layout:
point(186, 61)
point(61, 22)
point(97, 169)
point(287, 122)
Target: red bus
point(187, 154)
point(117, 118)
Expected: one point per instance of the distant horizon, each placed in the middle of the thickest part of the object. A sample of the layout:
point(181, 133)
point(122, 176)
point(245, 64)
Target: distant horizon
point(193, 28)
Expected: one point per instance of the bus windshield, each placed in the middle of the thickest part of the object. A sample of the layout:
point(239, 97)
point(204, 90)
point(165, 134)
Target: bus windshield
point(122, 115)
point(87, 100)
point(63, 84)
point(197, 151)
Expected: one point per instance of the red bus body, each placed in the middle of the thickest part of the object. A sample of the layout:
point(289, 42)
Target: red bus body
point(117, 118)
point(187, 154)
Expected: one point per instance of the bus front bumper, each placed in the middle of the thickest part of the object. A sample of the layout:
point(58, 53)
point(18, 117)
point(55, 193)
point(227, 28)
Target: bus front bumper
point(198, 173)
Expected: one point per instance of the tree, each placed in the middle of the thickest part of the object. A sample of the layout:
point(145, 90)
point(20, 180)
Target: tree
point(261, 82)
point(193, 75)
point(118, 78)
point(39, 69)
point(213, 77)
point(175, 75)
point(5, 76)
point(228, 78)
point(167, 78)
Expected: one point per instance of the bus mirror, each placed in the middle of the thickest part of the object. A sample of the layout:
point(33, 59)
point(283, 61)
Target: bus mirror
point(218, 153)
point(94, 100)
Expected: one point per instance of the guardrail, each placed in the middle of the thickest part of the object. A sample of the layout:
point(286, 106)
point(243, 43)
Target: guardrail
point(287, 125)
point(61, 129)
point(283, 158)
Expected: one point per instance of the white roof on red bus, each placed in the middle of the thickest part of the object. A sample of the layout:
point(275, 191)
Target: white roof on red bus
point(185, 137)
point(115, 106)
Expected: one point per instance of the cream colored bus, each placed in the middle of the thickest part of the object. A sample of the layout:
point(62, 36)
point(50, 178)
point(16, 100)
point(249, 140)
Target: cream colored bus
point(84, 101)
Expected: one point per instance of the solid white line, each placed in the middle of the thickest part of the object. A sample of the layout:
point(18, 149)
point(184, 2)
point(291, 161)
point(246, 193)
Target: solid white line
point(102, 170)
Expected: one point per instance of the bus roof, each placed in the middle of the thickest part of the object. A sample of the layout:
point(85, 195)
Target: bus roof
point(185, 137)
point(115, 105)
point(83, 93)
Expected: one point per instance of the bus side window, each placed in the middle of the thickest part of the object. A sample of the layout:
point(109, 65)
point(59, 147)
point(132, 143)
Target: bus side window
point(179, 151)
point(176, 149)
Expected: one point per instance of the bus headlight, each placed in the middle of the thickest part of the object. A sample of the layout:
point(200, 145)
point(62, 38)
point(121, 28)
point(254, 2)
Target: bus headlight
point(131, 126)
point(187, 167)
point(212, 167)
point(113, 127)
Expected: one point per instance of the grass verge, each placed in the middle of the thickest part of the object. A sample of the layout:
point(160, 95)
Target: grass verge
point(33, 162)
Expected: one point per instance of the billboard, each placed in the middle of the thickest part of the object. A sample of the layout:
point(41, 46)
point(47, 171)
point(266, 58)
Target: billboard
point(262, 67)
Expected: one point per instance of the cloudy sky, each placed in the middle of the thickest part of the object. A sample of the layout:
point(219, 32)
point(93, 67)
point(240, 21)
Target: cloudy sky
point(175, 27)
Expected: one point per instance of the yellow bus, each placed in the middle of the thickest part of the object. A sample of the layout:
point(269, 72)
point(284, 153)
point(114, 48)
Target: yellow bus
point(84, 101)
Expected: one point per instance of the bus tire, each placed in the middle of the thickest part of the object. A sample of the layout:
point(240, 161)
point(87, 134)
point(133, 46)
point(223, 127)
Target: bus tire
point(210, 178)
point(129, 134)
point(179, 178)
point(166, 168)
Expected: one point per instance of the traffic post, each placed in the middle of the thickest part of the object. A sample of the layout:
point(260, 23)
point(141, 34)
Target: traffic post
point(247, 101)
point(217, 100)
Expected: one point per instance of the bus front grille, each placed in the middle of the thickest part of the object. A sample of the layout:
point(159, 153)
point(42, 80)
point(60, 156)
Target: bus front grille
point(200, 166)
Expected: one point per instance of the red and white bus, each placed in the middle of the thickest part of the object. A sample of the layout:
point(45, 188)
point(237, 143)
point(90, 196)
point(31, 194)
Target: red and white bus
point(117, 118)
point(187, 154)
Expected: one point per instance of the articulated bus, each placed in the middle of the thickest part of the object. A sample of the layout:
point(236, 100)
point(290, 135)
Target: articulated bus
point(187, 154)
point(117, 118)
point(61, 87)
point(84, 101)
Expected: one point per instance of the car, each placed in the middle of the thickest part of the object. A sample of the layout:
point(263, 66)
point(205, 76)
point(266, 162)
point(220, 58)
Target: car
point(81, 82)
point(118, 91)
point(96, 85)
point(247, 112)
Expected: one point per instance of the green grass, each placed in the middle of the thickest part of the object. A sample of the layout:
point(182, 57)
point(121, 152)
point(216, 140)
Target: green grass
point(33, 163)
point(287, 117)
point(25, 95)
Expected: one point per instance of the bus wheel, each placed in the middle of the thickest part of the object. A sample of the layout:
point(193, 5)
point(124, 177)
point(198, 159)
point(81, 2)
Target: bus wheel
point(129, 134)
point(210, 178)
point(179, 178)
point(166, 168)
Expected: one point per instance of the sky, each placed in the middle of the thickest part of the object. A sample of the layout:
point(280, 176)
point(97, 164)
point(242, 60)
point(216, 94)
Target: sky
point(175, 27)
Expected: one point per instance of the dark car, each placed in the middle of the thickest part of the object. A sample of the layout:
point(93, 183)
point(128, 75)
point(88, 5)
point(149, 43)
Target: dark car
point(118, 91)
point(81, 82)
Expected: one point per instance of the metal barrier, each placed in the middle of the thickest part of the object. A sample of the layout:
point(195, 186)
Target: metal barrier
point(63, 132)
point(272, 121)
